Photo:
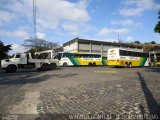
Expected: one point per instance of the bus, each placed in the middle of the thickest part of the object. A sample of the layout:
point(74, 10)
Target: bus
point(155, 58)
point(127, 58)
point(78, 59)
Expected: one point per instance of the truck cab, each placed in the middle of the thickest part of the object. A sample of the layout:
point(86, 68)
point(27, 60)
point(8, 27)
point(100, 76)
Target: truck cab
point(18, 61)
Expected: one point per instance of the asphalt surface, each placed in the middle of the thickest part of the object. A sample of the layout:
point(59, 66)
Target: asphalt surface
point(81, 93)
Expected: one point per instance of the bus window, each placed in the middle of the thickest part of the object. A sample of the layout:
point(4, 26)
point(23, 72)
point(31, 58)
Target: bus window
point(129, 53)
point(134, 54)
point(123, 53)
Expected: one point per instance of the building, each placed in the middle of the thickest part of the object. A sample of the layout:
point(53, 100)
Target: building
point(94, 46)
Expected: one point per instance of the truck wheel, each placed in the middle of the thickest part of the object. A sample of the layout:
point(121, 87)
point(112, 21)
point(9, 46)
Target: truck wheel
point(65, 64)
point(11, 69)
point(53, 66)
point(44, 67)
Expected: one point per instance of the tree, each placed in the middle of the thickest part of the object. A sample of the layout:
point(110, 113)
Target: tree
point(39, 44)
point(157, 26)
point(137, 42)
point(153, 42)
point(4, 49)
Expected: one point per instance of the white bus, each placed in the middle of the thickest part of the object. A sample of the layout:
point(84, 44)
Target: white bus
point(127, 58)
point(78, 59)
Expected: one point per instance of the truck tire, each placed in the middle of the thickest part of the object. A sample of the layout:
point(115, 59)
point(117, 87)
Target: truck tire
point(53, 66)
point(11, 69)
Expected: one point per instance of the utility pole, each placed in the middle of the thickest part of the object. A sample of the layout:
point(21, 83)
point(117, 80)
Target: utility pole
point(78, 28)
point(34, 21)
point(118, 37)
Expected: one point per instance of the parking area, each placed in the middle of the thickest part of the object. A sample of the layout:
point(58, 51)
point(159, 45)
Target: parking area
point(81, 93)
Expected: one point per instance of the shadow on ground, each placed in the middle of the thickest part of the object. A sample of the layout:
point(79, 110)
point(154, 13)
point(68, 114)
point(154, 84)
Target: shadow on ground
point(153, 69)
point(152, 104)
point(21, 78)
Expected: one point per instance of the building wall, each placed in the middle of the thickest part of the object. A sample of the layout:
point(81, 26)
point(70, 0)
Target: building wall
point(71, 47)
point(93, 48)
point(83, 47)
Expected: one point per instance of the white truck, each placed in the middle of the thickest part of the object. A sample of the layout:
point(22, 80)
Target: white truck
point(41, 61)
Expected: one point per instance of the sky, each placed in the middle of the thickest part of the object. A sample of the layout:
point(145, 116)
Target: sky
point(63, 20)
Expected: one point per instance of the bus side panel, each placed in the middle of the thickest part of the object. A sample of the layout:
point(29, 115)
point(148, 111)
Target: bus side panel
point(66, 60)
point(86, 62)
point(143, 61)
point(74, 61)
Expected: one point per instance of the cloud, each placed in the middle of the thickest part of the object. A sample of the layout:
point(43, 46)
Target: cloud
point(71, 27)
point(50, 14)
point(59, 11)
point(131, 12)
point(126, 22)
point(17, 48)
point(137, 7)
point(18, 33)
point(15, 9)
point(75, 28)
point(40, 35)
point(130, 38)
point(105, 31)
point(121, 30)
point(6, 17)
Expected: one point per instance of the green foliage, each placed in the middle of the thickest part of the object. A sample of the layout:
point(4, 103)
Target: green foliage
point(153, 42)
point(157, 26)
point(151, 48)
point(137, 42)
point(4, 49)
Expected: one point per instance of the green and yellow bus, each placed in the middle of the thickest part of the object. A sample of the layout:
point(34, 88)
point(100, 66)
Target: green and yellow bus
point(127, 58)
point(80, 59)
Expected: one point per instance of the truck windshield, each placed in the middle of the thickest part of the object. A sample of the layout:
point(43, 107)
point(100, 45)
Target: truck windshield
point(58, 56)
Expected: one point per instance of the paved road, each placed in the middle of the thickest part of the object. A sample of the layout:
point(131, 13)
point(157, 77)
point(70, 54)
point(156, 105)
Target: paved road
point(81, 93)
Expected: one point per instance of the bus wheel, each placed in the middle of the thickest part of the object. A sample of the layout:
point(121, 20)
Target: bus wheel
point(90, 64)
point(65, 64)
point(11, 69)
point(130, 65)
point(94, 64)
point(126, 65)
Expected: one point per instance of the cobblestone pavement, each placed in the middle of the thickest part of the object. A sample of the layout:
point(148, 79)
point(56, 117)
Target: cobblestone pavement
point(83, 93)
point(117, 99)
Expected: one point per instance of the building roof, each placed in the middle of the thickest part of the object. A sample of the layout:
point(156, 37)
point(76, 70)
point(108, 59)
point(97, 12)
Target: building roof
point(100, 42)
